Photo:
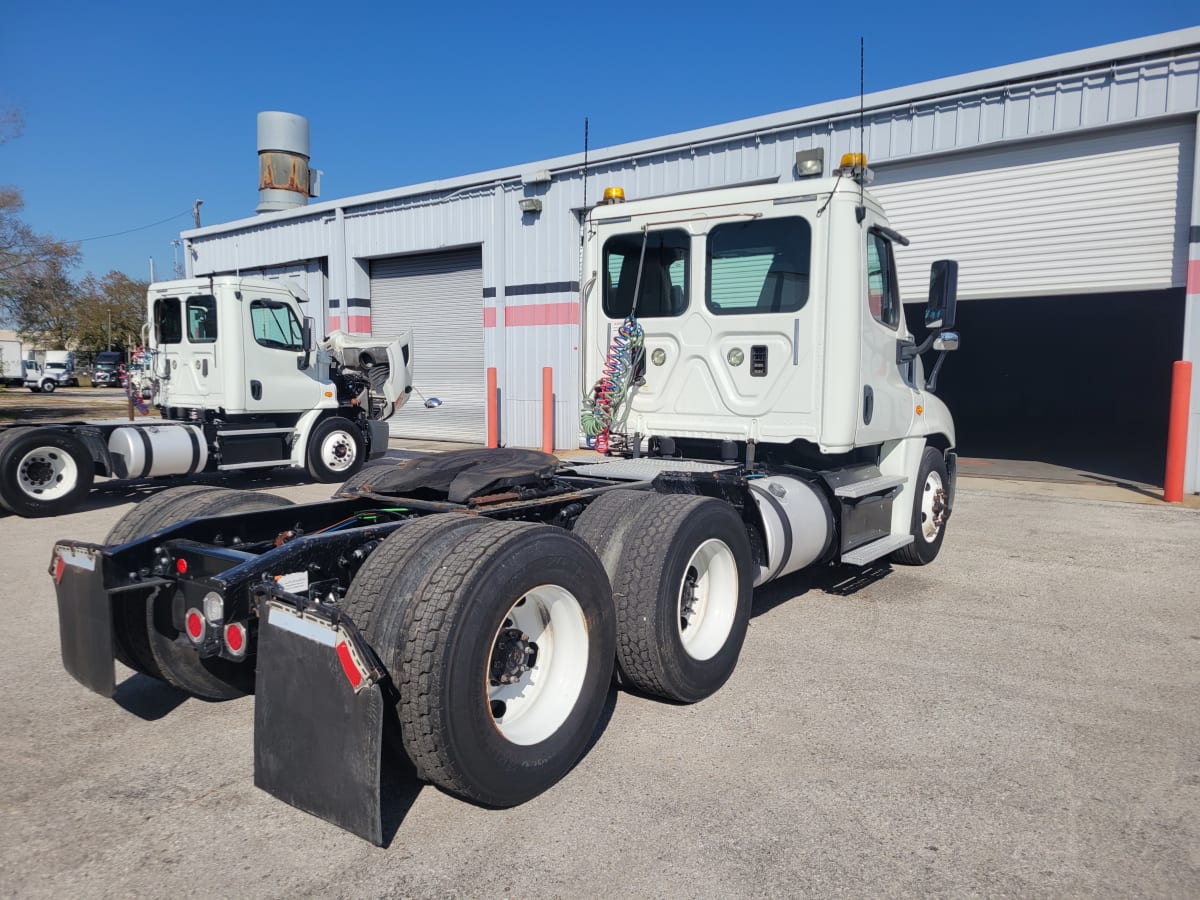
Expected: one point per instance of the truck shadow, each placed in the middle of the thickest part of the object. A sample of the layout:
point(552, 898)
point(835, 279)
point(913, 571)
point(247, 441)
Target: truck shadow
point(148, 698)
point(841, 581)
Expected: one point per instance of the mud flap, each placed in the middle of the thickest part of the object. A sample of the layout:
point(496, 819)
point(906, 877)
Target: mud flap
point(85, 618)
point(317, 730)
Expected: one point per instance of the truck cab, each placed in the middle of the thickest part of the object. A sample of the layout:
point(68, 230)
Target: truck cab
point(769, 314)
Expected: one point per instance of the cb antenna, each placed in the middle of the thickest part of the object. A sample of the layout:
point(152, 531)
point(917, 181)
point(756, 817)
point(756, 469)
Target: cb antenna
point(585, 163)
point(861, 141)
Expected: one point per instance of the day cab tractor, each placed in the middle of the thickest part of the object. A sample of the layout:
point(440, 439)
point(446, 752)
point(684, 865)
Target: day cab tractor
point(762, 408)
point(240, 384)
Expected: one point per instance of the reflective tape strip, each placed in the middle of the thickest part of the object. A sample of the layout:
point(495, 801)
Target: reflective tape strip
point(296, 624)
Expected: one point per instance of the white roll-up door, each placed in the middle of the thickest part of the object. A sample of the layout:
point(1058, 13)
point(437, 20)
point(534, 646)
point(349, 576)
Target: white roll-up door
point(440, 297)
point(1104, 213)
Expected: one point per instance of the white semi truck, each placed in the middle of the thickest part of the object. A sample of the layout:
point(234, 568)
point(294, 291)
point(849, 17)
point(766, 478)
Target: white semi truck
point(240, 383)
point(762, 407)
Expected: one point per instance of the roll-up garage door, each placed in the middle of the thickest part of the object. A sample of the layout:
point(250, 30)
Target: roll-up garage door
point(440, 297)
point(1098, 214)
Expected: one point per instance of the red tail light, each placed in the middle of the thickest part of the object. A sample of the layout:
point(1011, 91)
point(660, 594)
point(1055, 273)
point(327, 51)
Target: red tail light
point(235, 639)
point(194, 622)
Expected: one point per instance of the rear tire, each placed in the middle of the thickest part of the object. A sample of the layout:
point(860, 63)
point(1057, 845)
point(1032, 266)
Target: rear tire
point(929, 512)
point(507, 600)
point(43, 471)
point(336, 450)
point(607, 520)
point(146, 632)
point(682, 592)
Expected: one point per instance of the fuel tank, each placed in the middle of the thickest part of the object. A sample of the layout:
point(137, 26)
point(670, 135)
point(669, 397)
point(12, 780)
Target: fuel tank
point(797, 523)
point(149, 450)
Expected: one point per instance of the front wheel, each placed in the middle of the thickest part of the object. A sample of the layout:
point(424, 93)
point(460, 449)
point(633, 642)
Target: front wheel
point(48, 387)
point(43, 471)
point(335, 450)
point(931, 509)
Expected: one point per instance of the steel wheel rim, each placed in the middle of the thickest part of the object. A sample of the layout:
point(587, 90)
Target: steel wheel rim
point(930, 527)
point(47, 473)
point(533, 707)
point(338, 451)
point(708, 597)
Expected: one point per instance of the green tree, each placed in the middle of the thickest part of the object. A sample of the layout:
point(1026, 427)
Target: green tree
point(31, 267)
point(45, 305)
point(110, 312)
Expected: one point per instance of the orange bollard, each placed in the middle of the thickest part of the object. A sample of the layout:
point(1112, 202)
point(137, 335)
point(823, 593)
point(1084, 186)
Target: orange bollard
point(547, 409)
point(1181, 396)
point(493, 414)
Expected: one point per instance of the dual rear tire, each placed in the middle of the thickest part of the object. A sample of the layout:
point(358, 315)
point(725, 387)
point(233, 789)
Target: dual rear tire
point(680, 569)
point(147, 640)
point(499, 639)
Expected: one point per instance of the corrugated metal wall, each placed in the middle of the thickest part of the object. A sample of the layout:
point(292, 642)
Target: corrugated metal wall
point(967, 142)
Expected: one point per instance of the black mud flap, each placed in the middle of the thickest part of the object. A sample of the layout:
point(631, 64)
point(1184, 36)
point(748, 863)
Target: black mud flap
point(85, 618)
point(318, 717)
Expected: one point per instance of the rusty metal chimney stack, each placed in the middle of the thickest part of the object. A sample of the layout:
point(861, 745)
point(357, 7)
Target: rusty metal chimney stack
point(284, 179)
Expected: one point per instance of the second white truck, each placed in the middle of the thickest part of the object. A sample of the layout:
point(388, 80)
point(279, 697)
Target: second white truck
point(240, 382)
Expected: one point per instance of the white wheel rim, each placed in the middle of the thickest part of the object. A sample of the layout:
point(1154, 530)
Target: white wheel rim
point(338, 451)
point(929, 516)
point(47, 473)
point(530, 708)
point(708, 598)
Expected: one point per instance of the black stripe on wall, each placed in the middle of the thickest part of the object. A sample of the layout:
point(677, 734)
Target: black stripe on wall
point(545, 287)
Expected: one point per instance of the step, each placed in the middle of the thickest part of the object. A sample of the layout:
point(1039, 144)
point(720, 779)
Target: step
point(860, 556)
point(260, 464)
point(871, 486)
point(250, 432)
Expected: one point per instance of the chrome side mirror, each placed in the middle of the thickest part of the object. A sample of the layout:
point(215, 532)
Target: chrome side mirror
point(947, 340)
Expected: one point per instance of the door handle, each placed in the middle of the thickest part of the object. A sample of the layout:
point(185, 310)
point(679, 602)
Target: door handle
point(256, 390)
point(868, 404)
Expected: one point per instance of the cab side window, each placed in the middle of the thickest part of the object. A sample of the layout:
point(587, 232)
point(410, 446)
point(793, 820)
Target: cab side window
point(883, 294)
point(202, 319)
point(168, 328)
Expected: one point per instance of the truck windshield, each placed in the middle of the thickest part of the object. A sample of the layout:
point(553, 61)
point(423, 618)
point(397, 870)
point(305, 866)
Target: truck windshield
point(275, 325)
point(760, 266)
point(664, 282)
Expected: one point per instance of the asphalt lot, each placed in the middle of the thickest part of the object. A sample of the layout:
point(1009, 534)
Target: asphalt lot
point(1019, 718)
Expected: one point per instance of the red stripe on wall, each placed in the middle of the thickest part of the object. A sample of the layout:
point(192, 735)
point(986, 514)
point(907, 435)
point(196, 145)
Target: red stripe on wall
point(1193, 276)
point(542, 314)
point(359, 324)
point(489, 317)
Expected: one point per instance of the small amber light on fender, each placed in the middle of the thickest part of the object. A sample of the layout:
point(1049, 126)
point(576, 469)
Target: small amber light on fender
point(920, 409)
point(329, 393)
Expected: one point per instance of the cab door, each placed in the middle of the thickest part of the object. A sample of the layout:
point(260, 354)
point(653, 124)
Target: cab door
point(272, 347)
point(887, 398)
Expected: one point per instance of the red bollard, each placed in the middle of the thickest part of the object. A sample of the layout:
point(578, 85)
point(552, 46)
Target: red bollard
point(547, 409)
point(1181, 396)
point(493, 414)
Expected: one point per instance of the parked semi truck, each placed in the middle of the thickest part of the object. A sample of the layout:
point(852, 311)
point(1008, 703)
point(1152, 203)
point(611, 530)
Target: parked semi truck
point(763, 408)
point(240, 383)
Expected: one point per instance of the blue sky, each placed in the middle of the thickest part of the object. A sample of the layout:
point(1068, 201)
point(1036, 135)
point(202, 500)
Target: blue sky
point(133, 110)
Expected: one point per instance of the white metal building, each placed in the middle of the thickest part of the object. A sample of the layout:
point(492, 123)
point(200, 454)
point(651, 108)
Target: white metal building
point(1066, 187)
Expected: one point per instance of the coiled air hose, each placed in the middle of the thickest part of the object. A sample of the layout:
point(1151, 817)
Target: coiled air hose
point(606, 408)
